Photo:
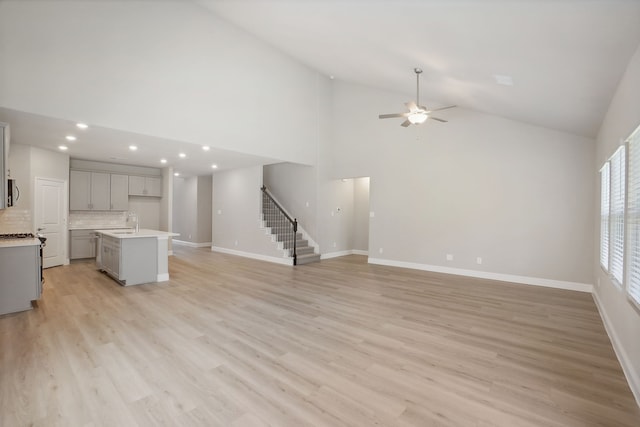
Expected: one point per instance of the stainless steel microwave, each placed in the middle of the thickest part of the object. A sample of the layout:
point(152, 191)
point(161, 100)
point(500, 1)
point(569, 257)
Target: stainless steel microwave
point(13, 192)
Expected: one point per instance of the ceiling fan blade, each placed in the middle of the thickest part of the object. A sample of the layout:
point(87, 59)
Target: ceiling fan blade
point(437, 119)
point(441, 108)
point(389, 116)
point(405, 123)
point(412, 106)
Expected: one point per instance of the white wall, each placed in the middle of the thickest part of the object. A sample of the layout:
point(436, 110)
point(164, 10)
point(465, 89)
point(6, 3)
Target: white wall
point(519, 196)
point(621, 318)
point(203, 218)
point(236, 214)
point(361, 214)
point(103, 62)
point(295, 188)
point(192, 208)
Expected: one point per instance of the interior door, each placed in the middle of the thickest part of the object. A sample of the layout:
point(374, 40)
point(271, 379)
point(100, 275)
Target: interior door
point(50, 219)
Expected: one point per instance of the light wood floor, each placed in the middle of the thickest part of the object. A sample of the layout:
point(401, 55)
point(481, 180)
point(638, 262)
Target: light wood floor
point(236, 342)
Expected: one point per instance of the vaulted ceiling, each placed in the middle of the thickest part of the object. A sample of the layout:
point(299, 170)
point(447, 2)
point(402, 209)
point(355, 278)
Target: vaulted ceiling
point(565, 57)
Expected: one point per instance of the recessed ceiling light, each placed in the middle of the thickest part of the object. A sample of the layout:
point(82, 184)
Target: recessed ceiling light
point(205, 148)
point(182, 155)
point(176, 174)
point(70, 138)
point(63, 147)
point(214, 166)
point(503, 80)
point(82, 125)
point(133, 147)
point(163, 160)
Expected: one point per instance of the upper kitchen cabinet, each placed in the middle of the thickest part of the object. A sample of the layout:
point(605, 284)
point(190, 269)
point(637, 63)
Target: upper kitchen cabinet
point(145, 186)
point(4, 168)
point(97, 191)
point(119, 192)
point(88, 191)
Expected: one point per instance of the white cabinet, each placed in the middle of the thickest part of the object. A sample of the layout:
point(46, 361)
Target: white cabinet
point(110, 256)
point(21, 281)
point(82, 244)
point(130, 261)
point(145, 186)
point(119, 192)
point(98, 191)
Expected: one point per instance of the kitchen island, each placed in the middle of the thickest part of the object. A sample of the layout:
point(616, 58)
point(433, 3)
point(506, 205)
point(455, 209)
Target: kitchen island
point(134, 257)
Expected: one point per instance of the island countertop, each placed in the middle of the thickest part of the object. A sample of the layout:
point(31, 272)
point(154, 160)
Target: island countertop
point(128, 233)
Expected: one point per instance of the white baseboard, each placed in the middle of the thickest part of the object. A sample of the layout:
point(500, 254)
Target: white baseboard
point(633, 377)
point(170, 253)
point(191, 244)
point(330, 255)
point(162, 277)
point(284, 261)
point(525, 280)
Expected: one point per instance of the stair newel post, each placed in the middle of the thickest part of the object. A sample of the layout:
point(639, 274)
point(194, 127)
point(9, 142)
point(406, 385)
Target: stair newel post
point(295, 237)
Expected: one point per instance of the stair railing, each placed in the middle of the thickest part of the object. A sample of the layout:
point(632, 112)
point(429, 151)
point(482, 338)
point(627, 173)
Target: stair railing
point(280, 220)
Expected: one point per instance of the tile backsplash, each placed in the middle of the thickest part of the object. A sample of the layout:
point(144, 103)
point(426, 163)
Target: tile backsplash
point(14, 220)
point(91, 219)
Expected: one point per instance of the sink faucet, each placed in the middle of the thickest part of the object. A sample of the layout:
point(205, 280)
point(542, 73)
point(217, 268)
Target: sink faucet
point(133, 217)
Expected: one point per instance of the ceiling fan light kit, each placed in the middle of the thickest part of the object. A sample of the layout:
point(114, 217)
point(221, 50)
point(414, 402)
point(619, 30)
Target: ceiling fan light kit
point(417, 113)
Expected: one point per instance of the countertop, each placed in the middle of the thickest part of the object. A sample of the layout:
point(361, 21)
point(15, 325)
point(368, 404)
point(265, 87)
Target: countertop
point(98, 227)
point(127, 233)
point(8, 243)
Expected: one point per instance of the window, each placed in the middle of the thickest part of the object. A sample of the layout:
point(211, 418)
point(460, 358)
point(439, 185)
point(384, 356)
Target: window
point(633, 219)
point(616, 216)
point(605, 183)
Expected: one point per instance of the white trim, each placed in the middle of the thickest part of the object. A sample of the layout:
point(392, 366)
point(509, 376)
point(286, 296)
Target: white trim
point(170, 253)
point(633, 377)
point(162, 277)
point(284, 261)
point(191, 244)
point(525, 280)
point(330, 255)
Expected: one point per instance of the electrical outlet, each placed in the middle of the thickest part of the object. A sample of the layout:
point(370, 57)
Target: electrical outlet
point(380, 250)
point(478, 260)
point(219, 211)
point(236, 243)
point(307, 204)
point(334, 244)
point(449, 257)
point(372, 214)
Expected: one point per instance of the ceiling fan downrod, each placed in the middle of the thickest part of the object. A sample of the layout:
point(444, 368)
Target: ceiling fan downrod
point(418, 71)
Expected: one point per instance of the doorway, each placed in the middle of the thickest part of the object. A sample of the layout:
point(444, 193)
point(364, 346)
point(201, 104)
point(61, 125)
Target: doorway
point(50, 220)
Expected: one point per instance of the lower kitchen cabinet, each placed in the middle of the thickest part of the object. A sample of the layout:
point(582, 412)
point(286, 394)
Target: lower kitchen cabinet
point(82, 244)
point(130, 261)
point(20, 281)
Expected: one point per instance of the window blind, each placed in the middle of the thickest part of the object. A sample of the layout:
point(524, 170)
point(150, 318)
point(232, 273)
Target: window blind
point(633, 219)
point(616, 216)
point(604, 215)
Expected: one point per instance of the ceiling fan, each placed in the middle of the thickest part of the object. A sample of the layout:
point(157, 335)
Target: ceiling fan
point(417, 113)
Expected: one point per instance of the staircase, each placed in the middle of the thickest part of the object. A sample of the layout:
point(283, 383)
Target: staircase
point(285, 231)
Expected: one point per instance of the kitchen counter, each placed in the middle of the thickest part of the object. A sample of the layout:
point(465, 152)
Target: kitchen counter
point(9, 243)
point(128, 233)
point(95, 227)
point(134, 257)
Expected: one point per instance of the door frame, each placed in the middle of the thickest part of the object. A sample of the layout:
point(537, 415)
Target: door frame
point(65, 212)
